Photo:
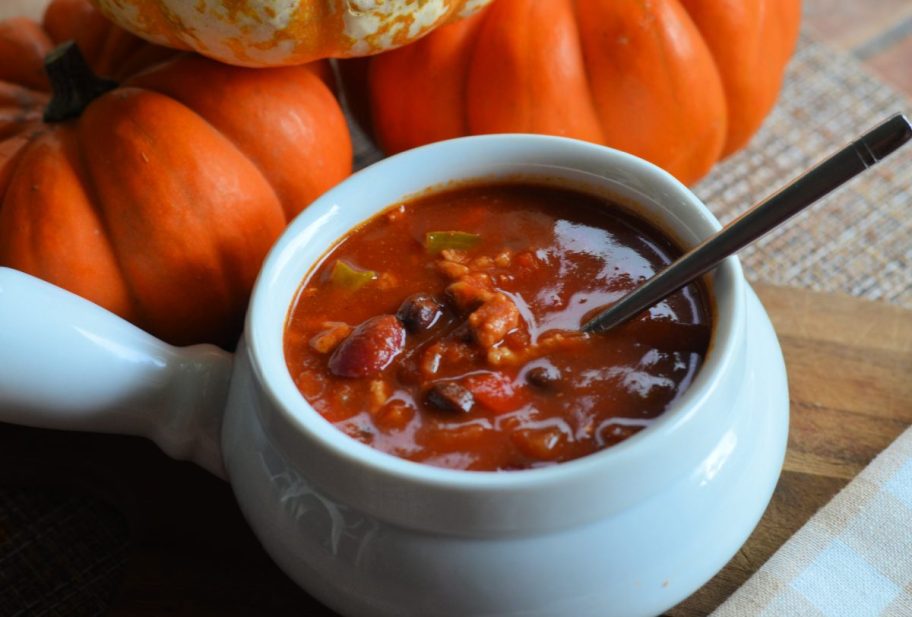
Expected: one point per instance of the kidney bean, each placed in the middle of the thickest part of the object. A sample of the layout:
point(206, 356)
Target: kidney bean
point(419, 312)
point(449, 396)
point(369, 349)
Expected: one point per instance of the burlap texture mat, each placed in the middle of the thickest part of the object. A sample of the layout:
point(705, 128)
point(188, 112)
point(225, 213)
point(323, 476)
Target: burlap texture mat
point(857, 240)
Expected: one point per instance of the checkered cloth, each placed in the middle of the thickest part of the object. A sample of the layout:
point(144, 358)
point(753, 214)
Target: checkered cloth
point(852, 559)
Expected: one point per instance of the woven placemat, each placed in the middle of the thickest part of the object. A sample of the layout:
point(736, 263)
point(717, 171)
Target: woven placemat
point(62, 553)
point(857, 240)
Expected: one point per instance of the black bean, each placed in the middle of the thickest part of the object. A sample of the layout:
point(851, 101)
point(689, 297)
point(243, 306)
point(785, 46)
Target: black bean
point(545, 377)
point(419, 312)
point(449, 396)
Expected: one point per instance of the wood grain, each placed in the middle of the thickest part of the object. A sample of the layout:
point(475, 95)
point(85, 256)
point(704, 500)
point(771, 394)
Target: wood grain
point(848, 364)
point(192, 553)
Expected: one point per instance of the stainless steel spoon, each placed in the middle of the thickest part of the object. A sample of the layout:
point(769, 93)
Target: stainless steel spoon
point(759, 219)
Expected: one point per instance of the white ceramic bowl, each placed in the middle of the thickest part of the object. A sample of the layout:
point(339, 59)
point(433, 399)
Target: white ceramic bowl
point(628, 531)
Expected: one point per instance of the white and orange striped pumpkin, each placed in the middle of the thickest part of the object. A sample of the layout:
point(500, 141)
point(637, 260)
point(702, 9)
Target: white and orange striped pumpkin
point(283, 32)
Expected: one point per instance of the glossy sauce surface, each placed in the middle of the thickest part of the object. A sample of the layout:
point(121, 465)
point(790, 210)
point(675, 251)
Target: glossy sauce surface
point(445, 330)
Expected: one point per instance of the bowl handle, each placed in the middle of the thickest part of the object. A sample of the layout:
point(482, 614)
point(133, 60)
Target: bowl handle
point(66, 363)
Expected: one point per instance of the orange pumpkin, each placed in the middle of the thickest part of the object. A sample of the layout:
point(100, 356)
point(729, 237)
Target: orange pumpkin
point(681, 83)
point(157, 198)
point(283, 32)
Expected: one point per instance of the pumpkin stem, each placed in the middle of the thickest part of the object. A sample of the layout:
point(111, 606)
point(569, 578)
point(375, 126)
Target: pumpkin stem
point(73, 84)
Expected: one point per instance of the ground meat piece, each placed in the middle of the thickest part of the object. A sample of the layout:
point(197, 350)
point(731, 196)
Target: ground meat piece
point(481, 263)
point(551, 341)
point(379, 393)
point(387, 280)
point(450, 396)
point(452, 270)
point(455, 255)
point(431, 358)
point(333, 333)
point(471, 290)
point(494, 319)
point(449, 352)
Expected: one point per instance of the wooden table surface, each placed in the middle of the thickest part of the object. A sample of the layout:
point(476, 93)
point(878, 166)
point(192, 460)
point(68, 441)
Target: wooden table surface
point(848, 364)
point(192, 554)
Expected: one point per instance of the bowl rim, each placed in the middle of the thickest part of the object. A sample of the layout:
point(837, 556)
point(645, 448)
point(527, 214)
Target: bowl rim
point(295, 413)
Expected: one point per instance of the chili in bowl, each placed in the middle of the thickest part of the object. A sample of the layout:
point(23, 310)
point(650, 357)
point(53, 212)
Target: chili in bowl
point(446, 329)
point(417, 326)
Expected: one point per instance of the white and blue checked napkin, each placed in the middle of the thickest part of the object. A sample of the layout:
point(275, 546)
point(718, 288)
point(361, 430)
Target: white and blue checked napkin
point(852, 559)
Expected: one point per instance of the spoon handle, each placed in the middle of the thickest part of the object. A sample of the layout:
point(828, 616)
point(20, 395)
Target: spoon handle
point(759, 219)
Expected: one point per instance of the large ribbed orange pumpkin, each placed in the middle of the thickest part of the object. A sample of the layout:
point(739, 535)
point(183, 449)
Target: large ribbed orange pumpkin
point(157, 198)
point(681, 83)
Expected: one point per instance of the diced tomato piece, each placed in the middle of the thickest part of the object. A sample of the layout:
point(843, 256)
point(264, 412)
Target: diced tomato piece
point(495, 391)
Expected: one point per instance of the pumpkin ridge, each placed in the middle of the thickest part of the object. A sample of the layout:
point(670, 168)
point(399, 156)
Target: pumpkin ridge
point(587, 73)
point(300, 87)
point(526, 115)
point(467, 74)
point(214, 259)
point(727, 147)
point(234, 289)
point(134, 294)
point(9, 167)
point(23, 45)
point(47, 190)
point(116, 48)
point(670, 73)
point(33, 238)
point(84, 171)
point(174, 96)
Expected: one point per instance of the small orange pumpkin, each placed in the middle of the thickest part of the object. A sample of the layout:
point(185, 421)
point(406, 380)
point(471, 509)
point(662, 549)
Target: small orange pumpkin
point(681, 83)
point(157, 198)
